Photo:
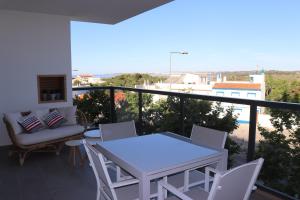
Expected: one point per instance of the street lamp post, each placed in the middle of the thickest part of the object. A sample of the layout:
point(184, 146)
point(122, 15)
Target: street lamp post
point(171, 53)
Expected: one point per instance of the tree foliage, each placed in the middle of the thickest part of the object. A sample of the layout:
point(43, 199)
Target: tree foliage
point(95, 105)
point(281, 149)
point(130, 80)
point(276, 86)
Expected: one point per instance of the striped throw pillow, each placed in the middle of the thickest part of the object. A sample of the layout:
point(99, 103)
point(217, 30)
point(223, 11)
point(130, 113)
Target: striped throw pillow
point(54, 119)
point(30, 123)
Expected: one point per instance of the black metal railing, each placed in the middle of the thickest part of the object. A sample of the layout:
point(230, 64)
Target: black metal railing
point(182, 96)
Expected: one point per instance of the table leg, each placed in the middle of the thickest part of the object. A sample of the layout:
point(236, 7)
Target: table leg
point(80, 155)
point(144, 189)
point(165, 193)
point(72, 156)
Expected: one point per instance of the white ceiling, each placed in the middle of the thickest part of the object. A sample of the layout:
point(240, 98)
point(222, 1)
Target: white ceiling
point(100, 11)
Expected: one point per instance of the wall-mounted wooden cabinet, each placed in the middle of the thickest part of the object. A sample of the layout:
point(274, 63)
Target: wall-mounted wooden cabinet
point(51, 88)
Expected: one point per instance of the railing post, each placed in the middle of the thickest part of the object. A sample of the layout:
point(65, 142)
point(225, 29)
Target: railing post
point(140, 104)
point(112, 105)
point(181, 118)
point(252, 132)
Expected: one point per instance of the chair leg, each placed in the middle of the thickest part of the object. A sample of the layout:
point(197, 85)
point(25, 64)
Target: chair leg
point(81, 157)
point(59, 148)
point(72, 156)
point(22, 157)
point(98, 194)
point(118, 173)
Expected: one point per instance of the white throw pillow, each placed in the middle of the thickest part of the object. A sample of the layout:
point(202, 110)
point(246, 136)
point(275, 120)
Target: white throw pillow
point(69, 113)
point(40, 113)
point(13, 118)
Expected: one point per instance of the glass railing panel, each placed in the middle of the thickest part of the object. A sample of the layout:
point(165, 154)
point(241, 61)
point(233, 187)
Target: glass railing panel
point(95, 104)
point(126, 105)
point(239, 134)
point(156, 114)
point(278, 142)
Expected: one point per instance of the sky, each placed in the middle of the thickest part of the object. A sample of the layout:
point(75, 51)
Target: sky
point(231, 35)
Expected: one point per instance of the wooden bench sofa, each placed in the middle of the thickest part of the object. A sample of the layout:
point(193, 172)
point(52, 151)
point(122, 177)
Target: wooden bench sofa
point(47, 140)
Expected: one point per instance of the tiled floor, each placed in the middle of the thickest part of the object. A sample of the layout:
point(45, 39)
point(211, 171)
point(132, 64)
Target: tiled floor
point(46, 176)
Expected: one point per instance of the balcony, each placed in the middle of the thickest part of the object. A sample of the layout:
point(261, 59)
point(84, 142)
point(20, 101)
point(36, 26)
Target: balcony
point(36, 41)
point(46, 176)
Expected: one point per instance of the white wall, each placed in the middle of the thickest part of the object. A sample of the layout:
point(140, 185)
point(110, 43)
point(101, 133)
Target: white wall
point(242, 93)
point(31, 44)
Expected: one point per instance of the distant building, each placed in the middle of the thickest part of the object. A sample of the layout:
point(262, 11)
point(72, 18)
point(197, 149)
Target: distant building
point(86, 80)
point(187, 83)
point(252, 89)
point(238, 90)
point(203, 84)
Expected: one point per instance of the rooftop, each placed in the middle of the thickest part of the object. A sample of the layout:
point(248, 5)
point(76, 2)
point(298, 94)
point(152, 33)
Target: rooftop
point(245, 86)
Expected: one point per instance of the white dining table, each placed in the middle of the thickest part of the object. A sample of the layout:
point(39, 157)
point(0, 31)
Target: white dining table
point(158, 155)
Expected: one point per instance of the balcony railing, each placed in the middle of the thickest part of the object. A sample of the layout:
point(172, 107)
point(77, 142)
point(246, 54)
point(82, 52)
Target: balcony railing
point(253, 104)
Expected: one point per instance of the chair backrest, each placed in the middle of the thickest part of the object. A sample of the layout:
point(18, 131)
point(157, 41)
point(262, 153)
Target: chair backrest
point(100, 170)
point(237, 183)
point(208, 137)
point(119, 130)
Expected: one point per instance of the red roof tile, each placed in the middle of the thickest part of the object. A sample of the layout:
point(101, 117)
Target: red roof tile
point(245, 86)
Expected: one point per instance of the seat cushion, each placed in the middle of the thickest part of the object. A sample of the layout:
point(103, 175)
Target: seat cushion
point(40, 113)
point(194, 193)
point(49, 134)
point(69, 113)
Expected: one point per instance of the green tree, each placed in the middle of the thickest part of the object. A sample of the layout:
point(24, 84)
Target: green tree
point(281, 149)
point(77, 82)
point(130, 80)
point(278, 84)
point(95, 105)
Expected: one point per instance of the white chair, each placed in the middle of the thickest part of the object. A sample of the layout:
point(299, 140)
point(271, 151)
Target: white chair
point(125, 190)
point(235, 184)
point(114, 131)
point(207, 137)
point(120, 130)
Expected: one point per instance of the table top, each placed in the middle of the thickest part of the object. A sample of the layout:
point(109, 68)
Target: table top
point(154, 152)
point(93, 133)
